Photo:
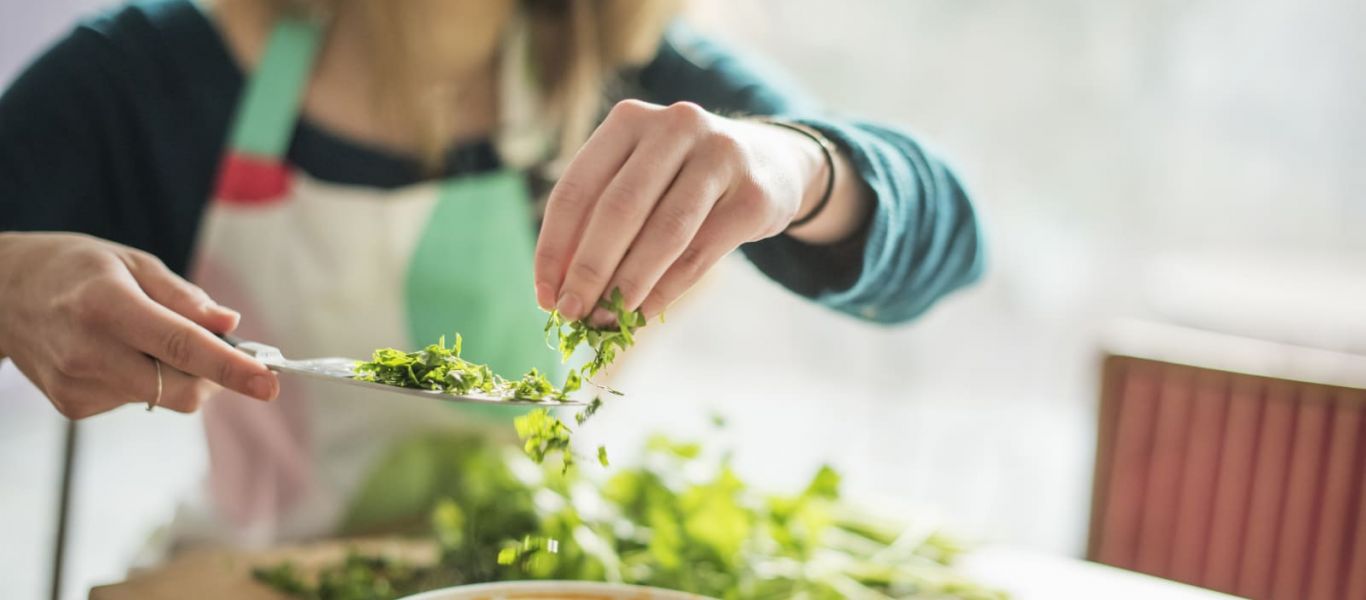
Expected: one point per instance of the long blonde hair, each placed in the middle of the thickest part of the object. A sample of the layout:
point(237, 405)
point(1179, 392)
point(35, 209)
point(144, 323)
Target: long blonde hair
point(574, 47)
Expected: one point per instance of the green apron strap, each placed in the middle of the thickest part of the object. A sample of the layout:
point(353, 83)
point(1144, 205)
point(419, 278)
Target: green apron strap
point(270, 103)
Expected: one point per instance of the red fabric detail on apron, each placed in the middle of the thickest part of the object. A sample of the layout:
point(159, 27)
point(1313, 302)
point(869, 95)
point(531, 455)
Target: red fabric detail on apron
point(244, 179)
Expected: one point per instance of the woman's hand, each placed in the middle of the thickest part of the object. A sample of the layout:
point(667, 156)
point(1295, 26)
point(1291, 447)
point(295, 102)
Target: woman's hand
point(658, 195)
point(84, 318)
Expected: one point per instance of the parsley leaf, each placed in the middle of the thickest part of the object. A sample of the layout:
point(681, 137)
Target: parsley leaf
point(605, 342)
point(542, 435)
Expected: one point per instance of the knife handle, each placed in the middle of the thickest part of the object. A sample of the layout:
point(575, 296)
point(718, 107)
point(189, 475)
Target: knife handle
point(257, 350)
point(231, 339)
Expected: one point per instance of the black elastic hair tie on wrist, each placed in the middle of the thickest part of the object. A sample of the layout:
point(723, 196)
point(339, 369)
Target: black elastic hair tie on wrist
point(828, 150)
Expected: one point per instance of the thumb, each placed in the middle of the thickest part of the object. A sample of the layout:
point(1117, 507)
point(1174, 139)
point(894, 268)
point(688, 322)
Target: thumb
point(170, 290)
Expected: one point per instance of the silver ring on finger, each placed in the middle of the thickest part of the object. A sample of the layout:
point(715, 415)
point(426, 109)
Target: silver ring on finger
point(157, 400)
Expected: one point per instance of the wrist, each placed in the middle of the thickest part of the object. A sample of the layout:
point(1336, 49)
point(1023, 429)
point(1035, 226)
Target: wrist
point(814, 160)
point(817, 178)
point(835, 203)
point(817, 168)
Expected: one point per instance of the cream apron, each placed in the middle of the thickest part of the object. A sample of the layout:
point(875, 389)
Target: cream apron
point(321, 269)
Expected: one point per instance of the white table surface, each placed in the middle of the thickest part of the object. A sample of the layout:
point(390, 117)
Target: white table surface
point(1031, 576)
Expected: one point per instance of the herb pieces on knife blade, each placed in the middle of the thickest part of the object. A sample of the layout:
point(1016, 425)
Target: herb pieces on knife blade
point(442, 369)
point(684, 519)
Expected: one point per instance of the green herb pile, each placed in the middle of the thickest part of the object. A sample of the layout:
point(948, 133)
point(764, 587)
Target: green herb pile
point(441, 369)
point(359, 577)
point(684, 520)
point(681, 520)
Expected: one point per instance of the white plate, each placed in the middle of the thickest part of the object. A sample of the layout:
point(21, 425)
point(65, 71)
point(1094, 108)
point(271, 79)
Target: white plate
point(553, 590)
point(1029, 576)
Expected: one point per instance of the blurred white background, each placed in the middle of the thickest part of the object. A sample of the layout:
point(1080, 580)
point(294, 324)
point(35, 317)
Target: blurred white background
point(1195, 160)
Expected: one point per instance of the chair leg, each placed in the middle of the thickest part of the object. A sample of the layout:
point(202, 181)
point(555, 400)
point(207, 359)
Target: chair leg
point(63, 509)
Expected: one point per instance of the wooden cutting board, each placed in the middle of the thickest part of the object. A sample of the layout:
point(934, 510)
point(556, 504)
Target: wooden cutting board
point(226, 574)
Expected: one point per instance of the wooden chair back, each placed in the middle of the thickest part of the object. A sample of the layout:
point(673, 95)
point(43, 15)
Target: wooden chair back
point(1232, 464)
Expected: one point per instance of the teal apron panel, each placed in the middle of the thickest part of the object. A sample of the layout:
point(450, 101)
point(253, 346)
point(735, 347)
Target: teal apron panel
point(472, 273)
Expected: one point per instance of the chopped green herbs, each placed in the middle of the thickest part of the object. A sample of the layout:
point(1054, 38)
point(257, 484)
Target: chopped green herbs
point(604, 342)
point(358, 577)
point(533, 386)
point(683, 520)
point(531, 548)
point(542, 434)
point(441, 369)
point(438, 368)
point(588, 412)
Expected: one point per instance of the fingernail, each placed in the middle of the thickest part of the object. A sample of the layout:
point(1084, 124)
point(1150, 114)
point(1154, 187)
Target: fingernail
point(262, 387)
point(601, 318)
point(545, 297)
point(212, 306)
point(233, 318)
point(570, 306)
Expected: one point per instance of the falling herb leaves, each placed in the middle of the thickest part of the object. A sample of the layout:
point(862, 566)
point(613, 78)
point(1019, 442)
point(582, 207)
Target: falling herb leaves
point(605, 342)
point(589, 411)
point(542, 434)
point(529, 549)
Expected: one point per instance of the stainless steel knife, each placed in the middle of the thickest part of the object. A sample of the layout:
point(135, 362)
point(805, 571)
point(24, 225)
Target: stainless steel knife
point(341, 370)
